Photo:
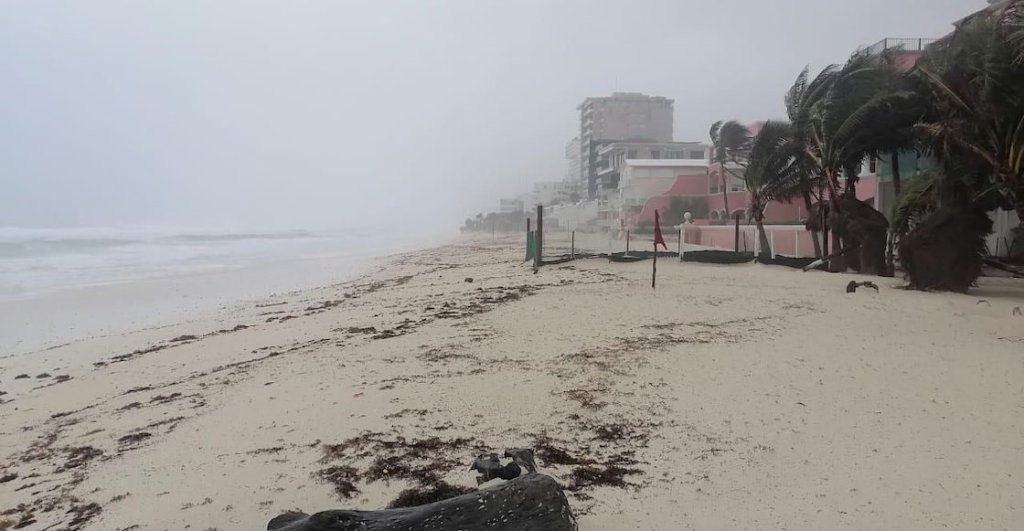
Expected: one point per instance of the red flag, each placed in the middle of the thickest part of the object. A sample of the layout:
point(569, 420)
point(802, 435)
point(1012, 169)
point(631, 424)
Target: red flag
point(658, 237)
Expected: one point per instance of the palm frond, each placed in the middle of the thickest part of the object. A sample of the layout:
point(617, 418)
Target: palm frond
point(919, 196)
point(733, 136)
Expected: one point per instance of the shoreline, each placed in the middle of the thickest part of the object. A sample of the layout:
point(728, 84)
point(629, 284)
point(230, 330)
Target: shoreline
point(732, 397)
point(57, 316)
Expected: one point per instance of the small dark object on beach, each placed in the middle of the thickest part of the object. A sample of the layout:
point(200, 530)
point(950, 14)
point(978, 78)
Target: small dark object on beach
point(43, 375)
point(186, 337)
point(985, 302)
point(469, 280)
point(21, 377)
point(8, 477)
point(853, 285)
point(1017, 311)
point(490, 467)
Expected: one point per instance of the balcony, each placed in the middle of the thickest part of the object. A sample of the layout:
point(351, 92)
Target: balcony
point(903, 45)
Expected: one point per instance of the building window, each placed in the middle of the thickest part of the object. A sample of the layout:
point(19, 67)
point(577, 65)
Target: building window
point(697, 155)
point(655, 154)
point(675, 154)
point(872, 165)
point(632, 154)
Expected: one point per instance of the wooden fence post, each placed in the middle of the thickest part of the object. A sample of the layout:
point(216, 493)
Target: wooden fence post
point(539, 237)
point(737, 243)
point(680, 245)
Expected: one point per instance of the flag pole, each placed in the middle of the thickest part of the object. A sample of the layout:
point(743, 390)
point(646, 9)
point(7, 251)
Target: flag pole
point(658, 238)
point(654, 266)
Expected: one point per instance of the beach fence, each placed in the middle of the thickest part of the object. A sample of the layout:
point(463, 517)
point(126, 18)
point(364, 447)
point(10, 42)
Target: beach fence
point(793, 241)
point(563, 242)
point(737, 243)
point(550, 243)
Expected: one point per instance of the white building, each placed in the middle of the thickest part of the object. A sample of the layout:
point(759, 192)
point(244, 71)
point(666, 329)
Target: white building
point(622, 116)
point(572, 160)
point(612, 157)
point(552, 192)
point(506, 206)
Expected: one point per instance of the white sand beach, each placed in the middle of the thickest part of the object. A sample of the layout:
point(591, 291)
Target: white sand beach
point(732, 397)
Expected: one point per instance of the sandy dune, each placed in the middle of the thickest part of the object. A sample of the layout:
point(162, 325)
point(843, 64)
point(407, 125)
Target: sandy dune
point(742, 397)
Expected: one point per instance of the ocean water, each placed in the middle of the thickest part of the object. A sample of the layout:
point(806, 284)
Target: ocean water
point(64, 285)
point(34, 261)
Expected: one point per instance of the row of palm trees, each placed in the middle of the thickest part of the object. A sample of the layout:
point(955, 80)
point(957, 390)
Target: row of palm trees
point(962, 105)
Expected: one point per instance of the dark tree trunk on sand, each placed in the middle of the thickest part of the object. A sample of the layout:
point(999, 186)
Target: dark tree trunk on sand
point(809, 204)
point(890, 254)
point(533, 501)
point(837, 264)
point(757, 210)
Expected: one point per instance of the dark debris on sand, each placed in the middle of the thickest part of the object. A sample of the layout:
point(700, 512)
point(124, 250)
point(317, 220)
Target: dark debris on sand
point(434, 493)
point(342, 478)
point(383, 457)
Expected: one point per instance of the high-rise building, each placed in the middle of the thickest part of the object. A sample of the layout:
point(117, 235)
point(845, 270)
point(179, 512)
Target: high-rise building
point(621, 116)
point(572, 160)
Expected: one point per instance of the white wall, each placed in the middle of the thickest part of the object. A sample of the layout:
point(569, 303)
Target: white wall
point(1003, 221)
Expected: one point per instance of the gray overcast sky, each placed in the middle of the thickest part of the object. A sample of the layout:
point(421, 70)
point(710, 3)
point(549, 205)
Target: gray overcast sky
point(327, 114)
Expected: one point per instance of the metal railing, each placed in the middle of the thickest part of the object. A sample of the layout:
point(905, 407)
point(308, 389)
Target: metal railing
point(906, 45)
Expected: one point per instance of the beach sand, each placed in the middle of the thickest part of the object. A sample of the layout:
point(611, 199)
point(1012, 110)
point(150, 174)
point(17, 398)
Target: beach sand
point(733, 397)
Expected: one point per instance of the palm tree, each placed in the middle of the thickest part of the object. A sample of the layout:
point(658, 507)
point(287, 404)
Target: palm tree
point(843, 115)
point(728, 138)
point(1013, 18)
point(800, 102)
point(774, 171)
point(976, 87)
point(847, 113)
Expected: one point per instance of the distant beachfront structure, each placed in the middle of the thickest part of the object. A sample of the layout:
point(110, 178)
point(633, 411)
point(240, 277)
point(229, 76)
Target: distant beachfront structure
point(612, 157)
point(621, 116)
point(572, 161)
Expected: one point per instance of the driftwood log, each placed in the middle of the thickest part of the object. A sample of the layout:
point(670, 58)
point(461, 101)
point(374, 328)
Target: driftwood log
point(527, 503)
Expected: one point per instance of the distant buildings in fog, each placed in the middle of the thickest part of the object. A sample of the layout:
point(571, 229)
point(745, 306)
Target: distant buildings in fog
point(622, 116)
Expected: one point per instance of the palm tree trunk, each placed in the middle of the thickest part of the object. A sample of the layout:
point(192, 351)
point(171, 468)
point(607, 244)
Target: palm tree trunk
point(896, 173)
point(809, 204)
point(725, 192)
point(837, 264)
point(765, 245)
point(890, 251)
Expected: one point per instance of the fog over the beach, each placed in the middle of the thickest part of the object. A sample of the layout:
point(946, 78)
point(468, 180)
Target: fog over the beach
point(339, 114)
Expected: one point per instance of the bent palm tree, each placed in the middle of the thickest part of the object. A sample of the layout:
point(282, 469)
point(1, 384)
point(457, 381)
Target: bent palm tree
point(800, 101)
point(977, 99)
point(774, 171)
point(842, 115)
point(728, 138)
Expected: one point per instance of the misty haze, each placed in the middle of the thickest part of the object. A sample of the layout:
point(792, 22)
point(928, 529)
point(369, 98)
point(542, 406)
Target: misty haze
point(511, 265)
